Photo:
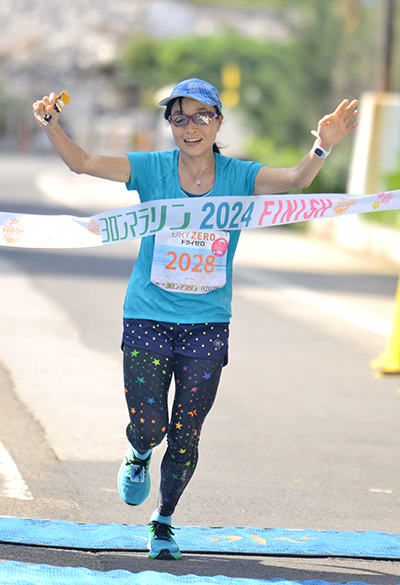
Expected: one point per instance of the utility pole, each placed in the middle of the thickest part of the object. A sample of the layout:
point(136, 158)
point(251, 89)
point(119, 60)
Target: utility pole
point(388, 44)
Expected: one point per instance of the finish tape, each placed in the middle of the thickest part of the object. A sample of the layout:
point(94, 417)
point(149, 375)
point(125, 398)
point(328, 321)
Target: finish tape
point(183, 215)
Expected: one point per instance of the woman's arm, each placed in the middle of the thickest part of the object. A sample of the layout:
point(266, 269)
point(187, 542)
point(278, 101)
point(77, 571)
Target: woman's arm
point(114, 168)
point(331, 130)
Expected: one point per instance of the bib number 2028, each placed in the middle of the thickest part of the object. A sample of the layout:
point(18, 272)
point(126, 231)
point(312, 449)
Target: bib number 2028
point(184, 262)
point(190, 262)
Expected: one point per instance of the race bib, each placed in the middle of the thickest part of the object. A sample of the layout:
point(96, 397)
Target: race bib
point(190, 261)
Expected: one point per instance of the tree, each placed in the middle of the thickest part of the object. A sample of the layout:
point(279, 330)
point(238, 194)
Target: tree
point(286, 87)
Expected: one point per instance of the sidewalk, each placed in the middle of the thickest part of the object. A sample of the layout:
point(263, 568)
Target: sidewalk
point(356, 233)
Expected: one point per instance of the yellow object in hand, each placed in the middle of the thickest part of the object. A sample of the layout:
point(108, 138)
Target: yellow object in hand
point(62, 100)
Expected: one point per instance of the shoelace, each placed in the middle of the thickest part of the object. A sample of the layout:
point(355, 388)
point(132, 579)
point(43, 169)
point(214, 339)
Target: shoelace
point(161, 530)
point(141, 464)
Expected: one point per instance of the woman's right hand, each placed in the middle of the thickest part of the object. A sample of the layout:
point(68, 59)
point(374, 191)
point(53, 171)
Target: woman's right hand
point(45, 107)
point(114, 168)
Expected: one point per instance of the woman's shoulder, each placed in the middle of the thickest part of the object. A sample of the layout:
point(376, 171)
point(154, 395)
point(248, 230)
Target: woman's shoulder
point(148, 168)
point(167, 156)
point(236, 176)
point(233, 164)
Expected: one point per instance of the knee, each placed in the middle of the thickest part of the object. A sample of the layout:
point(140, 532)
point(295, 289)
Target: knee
point(146, 436)
point(157, 436)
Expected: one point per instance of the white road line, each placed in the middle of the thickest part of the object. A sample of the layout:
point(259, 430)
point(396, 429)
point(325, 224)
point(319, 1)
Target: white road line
point(325, 304)
point(12, 484)
point(338, 309)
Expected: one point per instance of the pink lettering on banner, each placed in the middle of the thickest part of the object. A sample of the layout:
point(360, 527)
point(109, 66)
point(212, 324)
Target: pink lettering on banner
point(298, 214)
point(280, 207)
point(318, 208)
point(293, 210)
point(267, 205)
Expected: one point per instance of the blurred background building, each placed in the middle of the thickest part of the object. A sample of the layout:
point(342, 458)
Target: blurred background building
point(76, 44)
point(279, 64)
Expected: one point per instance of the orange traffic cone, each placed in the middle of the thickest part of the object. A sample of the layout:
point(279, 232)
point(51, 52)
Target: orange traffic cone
point(389, 360)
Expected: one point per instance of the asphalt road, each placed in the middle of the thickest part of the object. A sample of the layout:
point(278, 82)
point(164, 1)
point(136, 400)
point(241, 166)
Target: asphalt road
point(301, 436)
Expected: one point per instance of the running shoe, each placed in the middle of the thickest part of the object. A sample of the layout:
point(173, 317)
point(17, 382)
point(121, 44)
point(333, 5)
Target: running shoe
point(161, 544)
point(134, 478)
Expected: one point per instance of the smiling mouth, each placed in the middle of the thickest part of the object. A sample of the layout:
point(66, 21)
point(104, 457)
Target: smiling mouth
point(192, 140)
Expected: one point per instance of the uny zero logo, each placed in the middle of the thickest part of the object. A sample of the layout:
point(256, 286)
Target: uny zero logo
point(219, 247)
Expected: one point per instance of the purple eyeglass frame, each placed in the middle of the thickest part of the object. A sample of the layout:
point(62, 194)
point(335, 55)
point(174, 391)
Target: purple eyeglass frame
point(212, 114)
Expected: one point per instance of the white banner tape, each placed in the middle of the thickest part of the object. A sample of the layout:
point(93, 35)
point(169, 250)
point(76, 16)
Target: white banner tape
point(185, 215)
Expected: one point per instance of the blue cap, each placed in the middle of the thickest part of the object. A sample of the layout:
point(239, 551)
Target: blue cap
point(196, 89)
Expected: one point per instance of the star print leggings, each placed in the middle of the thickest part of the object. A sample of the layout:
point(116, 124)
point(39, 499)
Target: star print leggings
point(147, 377)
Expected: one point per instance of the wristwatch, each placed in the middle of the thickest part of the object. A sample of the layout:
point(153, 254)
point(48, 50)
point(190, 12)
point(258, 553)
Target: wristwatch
point(319, 150)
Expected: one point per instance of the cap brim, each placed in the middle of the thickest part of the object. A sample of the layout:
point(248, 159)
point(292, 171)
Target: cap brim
point(168, 99)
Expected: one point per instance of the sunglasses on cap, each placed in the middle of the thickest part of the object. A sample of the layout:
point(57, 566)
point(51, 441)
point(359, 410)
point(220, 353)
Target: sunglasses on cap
point(201, 118)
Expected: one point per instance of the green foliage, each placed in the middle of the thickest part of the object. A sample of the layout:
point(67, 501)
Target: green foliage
point(265, 151)
point(272, 88)
point(331, 178)
point(285, 88)
point(390, 218)
point(393, 178)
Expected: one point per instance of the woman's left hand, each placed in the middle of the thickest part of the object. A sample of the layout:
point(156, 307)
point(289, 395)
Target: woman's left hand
point(334, 127)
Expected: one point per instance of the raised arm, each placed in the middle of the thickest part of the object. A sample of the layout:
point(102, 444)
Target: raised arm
point(114, 168)
point(331, 130)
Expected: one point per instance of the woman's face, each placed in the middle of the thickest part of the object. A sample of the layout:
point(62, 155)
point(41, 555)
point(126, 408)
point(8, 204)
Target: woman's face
point(194, 139)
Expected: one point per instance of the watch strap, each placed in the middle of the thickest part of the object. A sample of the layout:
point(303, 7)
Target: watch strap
point(319, 150)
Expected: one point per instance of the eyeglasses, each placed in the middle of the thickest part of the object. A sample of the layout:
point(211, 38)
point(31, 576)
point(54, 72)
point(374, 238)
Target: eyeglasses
point(201, 118)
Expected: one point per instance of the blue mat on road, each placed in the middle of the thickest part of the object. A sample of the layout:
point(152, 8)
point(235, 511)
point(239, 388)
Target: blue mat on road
point(13, 573)
point(203, 539)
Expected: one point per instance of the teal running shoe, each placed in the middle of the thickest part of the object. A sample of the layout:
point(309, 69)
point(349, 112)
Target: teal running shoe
point(161, 544)
point(134, 479)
